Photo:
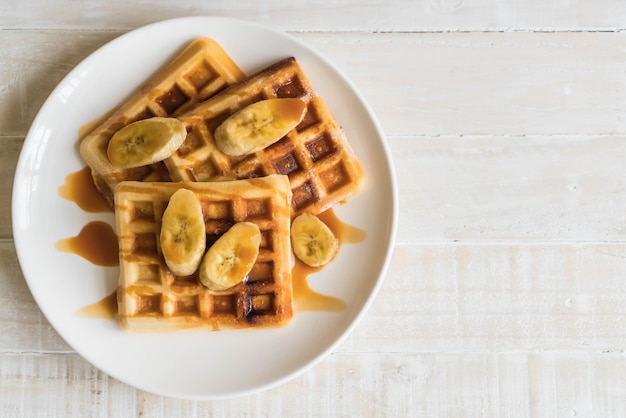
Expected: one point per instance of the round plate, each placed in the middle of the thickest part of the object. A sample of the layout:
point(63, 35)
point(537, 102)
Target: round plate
point(191, 364)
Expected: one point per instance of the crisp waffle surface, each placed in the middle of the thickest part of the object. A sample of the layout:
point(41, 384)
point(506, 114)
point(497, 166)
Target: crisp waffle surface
point(202, 69)
point(322, 168)
point(151, 298)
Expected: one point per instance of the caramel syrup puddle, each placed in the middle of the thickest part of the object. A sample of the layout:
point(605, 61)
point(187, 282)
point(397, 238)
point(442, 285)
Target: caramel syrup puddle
point(96, 242)
point(80, 189)
point(103, 309)
point(305, 298)
point(345, 233)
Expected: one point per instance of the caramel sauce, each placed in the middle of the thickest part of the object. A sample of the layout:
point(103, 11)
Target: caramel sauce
point(345, 233)
point(305, 298)
point(96, 242)
point(80, 189)
point(103, 309)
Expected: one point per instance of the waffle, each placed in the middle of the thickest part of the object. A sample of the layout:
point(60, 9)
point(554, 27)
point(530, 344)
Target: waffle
point(202, 69)
point(321, 166)
point(151, 298)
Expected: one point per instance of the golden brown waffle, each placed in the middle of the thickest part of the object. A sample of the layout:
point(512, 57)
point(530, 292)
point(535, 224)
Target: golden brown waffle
point(151, 298)
point(322, 168)
point(202, 69)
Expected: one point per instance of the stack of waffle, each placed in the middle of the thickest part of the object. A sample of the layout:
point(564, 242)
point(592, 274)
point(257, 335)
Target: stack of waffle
point(309, 170)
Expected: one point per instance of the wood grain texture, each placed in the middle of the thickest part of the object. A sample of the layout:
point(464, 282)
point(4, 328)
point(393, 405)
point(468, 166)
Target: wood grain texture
point(9, 152)
point(486, 83)
point(486, 297)
point(515, 188)
point(327, 15)
point(368, 385)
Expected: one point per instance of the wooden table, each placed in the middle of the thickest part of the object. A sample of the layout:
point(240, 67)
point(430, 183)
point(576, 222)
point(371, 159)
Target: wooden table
point(506, 292)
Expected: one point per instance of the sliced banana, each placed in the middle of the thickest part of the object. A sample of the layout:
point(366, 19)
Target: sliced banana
point(145, 142)
point(258, 125)
point(312, 240)
point(183, 233)
point(229, 260)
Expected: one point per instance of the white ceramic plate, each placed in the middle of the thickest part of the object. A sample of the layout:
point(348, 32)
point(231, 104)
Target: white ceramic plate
point(193, 365)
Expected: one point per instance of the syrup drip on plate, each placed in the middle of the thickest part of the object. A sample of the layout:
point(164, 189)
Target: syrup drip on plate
point(345, 233)
point(305, 298)
point(96, 242)
point(103, 309)
point(80, 189)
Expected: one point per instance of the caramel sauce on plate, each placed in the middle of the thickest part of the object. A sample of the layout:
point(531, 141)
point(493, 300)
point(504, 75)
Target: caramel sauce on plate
point(345, 233)
point(96, 242)
point(80, 189)
point(103, 309)
point(305, 298)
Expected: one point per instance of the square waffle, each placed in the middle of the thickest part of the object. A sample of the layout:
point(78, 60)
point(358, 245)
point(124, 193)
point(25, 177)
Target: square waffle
point(151, 298)
point(322, 168)
point(202, 69)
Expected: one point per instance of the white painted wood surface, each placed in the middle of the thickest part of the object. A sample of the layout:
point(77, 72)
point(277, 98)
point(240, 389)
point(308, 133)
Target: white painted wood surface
point(506, 296)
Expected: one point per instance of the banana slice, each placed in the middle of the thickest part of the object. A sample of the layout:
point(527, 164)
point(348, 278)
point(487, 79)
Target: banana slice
point(146, 141)
point(258, 125)
point(183, 234)
point(229, 260)
point(312, 240)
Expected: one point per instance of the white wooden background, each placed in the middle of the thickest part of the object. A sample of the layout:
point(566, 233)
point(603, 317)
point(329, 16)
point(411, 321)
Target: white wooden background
point(506, 296)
